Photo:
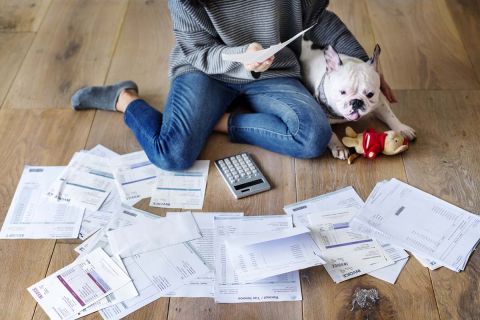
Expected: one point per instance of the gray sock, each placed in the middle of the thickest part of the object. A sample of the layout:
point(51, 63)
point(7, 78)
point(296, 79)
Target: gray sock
point(104, 98)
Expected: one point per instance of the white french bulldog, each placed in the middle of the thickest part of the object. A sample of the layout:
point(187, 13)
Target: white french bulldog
point(347, 88)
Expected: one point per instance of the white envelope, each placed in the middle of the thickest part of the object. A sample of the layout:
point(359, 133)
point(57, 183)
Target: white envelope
point(151, 235)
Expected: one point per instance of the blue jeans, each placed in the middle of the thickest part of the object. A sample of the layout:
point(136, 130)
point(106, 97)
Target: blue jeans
point(285, 119)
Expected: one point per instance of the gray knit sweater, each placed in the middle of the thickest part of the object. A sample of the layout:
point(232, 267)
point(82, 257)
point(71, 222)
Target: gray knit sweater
point(203, 33)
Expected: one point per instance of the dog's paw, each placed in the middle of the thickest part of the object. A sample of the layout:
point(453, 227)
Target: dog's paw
point(407, 132)
point(340, 152)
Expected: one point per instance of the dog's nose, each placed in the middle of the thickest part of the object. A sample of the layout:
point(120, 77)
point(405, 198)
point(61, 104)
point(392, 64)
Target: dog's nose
point(357, 104)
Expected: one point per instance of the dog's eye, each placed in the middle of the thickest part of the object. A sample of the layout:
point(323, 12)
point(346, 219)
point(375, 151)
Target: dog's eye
point(369, 95)
point(342, 92)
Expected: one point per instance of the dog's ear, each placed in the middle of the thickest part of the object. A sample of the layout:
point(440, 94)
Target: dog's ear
point(332, 58)
point(374, 59)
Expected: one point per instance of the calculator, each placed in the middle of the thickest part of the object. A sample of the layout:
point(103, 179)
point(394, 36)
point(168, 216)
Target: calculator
point(242, 175)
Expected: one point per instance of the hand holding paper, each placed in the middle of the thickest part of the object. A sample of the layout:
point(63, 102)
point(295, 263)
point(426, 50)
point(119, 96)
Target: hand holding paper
point(252, 57)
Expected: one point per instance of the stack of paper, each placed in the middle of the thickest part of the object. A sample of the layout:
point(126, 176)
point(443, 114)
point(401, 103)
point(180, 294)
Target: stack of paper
point(155, 273)
point(432, 229)
point(348, 254)
point(80, 199)
point(257, 257)
point(334, 235)
point(228, 287)
point(72, 289)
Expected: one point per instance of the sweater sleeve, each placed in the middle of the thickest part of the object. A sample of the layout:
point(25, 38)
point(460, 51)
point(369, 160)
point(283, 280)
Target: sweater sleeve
point(330, 30)
point(200, 44)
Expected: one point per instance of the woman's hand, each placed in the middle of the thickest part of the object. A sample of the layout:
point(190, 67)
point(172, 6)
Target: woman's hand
point(386, 90)
point(258, 66)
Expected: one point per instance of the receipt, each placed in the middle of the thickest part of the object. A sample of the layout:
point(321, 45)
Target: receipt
point(348, 254)
point(181, 189)
point(30, 216)
point(86, 182)
point(257, 257)
point(134, 176)
point(73, 288)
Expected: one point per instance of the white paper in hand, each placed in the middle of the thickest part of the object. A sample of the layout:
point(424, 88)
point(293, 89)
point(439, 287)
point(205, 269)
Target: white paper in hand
point(261, 55)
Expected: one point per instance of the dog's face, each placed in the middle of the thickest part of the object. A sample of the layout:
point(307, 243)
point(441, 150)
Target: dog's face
point(352, 88)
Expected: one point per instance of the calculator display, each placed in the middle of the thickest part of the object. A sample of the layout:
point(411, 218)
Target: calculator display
point(248, 184)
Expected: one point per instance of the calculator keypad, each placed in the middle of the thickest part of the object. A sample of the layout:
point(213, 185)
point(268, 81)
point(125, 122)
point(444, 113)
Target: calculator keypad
point(240, 170)
point(238, 167)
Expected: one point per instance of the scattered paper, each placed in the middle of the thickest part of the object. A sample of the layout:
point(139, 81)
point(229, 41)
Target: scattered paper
point(30, 216)
point(102, 151)
point(73, 288)
point(92, 222)
point(228, 289)
point(155, 273)
point(202, 286)
point(419, 222)
point(134, 176)
point(181, 189)
point(348, 254)
point(257, 257)
point(340, 199)
point(86, 182)
point(151, 235)
point(261, 55)
point(127, 216)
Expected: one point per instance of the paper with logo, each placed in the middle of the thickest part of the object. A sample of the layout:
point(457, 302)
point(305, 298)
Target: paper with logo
point(31, 216)
point(181, 189)
point(348, 254)
point(75, 287)
point(86, 182)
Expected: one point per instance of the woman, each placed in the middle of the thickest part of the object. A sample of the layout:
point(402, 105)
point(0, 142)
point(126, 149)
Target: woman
point(285, 117)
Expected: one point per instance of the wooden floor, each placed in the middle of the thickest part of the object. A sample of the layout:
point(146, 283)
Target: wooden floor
point(430, 56)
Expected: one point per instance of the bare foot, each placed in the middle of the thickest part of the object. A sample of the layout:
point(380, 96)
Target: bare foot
point(222, 124)
point(125, 98)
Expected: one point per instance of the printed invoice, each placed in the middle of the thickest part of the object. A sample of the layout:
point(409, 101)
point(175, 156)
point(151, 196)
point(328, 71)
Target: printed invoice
point(181, 189)
point(86, 182)
point(419, 222)
point(30, 216)
point(134, 176)
point(228, 288)
point(257, 257)
point(69, 290)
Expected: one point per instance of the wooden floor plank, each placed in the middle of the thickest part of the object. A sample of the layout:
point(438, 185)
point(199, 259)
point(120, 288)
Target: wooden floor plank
point(13, 47)
point(22, 15)
point(421, 48)
point(279, 170)
point(143, 50)
point(35, 137)
point(356, 17)
point(72, 49)
point(444, 162)
point(466, 15)
point(323, 299)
